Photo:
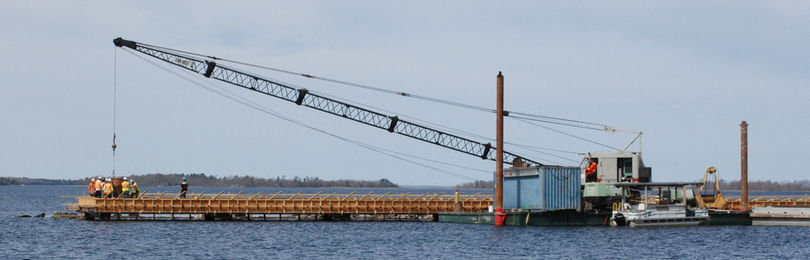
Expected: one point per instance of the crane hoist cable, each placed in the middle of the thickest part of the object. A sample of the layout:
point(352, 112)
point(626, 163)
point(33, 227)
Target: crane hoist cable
point(115, 100)
point(247, 102)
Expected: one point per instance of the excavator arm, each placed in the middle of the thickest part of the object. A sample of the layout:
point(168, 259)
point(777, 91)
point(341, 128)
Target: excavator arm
point(303, 97)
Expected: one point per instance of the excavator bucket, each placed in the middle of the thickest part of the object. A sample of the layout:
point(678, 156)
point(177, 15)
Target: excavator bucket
point(714, 200)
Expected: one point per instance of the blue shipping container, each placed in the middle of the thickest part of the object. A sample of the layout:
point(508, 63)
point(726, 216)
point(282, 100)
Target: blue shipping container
point(543, 188)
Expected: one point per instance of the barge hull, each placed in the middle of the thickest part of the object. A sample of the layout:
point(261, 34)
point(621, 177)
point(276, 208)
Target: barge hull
point(729, 218)
point(547, 218)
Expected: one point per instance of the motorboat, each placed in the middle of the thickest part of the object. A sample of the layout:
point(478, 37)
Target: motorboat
point(670, 206)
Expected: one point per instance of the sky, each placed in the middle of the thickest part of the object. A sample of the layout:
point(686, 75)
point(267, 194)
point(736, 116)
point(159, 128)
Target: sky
point(684, 73)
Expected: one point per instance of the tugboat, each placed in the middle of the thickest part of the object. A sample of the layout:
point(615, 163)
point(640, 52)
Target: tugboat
point(669, 207)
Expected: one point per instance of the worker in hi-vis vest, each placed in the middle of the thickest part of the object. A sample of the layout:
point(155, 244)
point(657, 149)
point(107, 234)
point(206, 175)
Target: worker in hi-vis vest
point(590, 172)
point(91, 189)
point(99, 185)
point(183, 188)
point(108, 188)
point(125, 188)
point(135, 189)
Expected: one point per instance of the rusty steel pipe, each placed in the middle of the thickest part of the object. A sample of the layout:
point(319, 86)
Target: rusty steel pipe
point(500, 215)
point(744, 165)
point(499, 146)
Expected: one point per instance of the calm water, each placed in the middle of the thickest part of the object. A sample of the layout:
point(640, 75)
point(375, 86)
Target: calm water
point(70, 239)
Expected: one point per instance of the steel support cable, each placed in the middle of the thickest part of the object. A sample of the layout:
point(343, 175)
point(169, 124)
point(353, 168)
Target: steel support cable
point(557, 123)
point(425, 122)
point(553, 155)
point(564, 133)
point(457, 131)
point(263, 109)
point(451, 129)
point(115, 100)
point(398, 93)
point(438, 126)
point(531, 147)
point(511, 113)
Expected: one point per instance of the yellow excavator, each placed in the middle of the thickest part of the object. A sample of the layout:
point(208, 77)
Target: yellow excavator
point(712, 200)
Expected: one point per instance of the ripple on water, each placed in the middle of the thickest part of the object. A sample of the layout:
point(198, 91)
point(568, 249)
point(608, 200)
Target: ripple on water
point(73, 239)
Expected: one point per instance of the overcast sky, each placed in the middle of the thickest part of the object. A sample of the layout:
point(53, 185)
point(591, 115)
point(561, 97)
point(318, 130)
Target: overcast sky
point(686, 74)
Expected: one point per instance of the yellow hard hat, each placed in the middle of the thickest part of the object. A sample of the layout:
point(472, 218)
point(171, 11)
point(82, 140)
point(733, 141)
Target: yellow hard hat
point(92, 179)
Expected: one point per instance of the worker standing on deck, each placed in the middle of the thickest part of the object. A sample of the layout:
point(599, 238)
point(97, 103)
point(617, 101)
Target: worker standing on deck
point(125, 188)
point(590, 172)
point(91, 189)
point(183, 188)
point(135, 189)
point(99, 185)
point(108, 188)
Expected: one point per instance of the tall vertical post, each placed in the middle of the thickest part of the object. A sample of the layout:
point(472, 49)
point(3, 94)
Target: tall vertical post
point(744, 165)
point(500, 215)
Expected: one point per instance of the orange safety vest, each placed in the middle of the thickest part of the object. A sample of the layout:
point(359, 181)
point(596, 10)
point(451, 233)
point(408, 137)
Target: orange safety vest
point(92, 187)
point(108, 188)
point(98, 185)
point(591, 169)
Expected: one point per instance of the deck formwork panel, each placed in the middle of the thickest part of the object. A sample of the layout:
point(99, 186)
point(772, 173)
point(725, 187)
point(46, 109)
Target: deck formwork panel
point(284, 204)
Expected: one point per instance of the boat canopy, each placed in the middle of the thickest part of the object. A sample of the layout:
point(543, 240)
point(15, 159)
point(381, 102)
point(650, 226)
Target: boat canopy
point(656, 184)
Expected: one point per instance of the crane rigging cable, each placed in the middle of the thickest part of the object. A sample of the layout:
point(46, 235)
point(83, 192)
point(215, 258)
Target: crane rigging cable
point(115, 105)
point(443, 127)
point(459, 131)
point(244, 101)
point(455, 130)
point(571, 135)
point(548, 119)
point(557, 123)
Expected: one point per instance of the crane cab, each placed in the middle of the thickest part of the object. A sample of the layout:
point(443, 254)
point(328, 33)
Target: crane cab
point(611, 168)
point(617, 167)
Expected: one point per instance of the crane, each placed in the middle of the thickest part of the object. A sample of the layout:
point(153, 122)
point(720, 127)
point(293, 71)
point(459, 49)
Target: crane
point(303, 97)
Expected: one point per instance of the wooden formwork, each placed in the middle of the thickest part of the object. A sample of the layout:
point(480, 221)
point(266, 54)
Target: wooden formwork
point(278, 203)
point(733, 202)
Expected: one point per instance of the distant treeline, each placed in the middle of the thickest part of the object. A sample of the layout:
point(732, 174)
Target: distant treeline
point(724, 185)
point(201, 179)
point(767, 185)
point(476, 185)
point(29, 181)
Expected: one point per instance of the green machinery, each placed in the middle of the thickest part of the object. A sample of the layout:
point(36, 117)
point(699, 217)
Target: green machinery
point(612, 167)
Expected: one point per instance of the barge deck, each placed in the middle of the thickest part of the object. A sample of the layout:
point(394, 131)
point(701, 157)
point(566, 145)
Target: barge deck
point(239, 206)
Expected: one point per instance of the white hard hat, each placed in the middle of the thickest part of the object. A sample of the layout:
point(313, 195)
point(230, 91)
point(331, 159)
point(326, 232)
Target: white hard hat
point(125, 178)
